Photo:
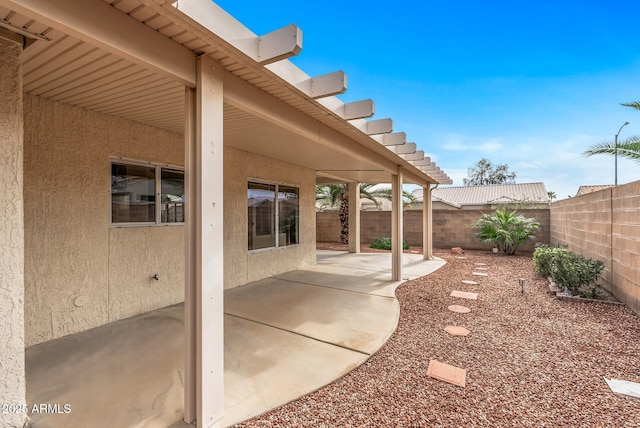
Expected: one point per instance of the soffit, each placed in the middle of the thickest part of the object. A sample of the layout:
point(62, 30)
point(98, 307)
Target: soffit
point(72, 71)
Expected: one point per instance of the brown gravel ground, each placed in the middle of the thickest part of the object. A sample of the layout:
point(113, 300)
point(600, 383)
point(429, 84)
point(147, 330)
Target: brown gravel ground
point(531, 360)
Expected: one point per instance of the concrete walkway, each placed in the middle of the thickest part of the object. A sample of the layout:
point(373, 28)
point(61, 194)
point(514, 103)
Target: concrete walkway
point(285, 336)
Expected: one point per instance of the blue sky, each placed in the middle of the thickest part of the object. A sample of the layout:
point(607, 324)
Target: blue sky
point(528, 83)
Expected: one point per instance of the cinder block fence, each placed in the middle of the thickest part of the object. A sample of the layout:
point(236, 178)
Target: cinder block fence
point(451, 228)
point(603, 225)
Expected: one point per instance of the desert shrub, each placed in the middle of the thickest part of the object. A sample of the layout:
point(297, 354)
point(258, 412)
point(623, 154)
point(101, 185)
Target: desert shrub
point(384, 243)
point(544, 257)
point(572, 272)
point(505, 229)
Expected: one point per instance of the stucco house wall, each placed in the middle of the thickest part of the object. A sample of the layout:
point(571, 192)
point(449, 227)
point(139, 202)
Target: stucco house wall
point(79, 271)
point(242, 266)
point(12, 386)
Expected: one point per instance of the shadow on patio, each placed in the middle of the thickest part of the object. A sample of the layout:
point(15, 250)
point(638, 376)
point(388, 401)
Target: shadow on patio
point(285, 336)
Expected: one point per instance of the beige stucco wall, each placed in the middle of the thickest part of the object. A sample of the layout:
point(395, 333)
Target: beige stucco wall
point(241, 266)
point(605, 225)
point(12, 380)
point(79, 271)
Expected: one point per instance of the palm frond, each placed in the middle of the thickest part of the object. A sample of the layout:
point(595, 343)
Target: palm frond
point(629, 148)
point(634, 104)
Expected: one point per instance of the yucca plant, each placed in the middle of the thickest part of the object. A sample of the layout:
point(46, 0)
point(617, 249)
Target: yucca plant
point(506, 230)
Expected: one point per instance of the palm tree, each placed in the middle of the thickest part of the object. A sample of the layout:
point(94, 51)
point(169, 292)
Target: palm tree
point(629, 148)
point(336, 194)
point(552, 195)
point(506, 230)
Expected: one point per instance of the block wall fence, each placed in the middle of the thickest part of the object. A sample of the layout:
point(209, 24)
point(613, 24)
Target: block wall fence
point(603, 225)
point(450, 228)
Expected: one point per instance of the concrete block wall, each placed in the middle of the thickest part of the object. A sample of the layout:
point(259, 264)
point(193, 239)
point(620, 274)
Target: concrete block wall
point(605, 225)
point(450, 228)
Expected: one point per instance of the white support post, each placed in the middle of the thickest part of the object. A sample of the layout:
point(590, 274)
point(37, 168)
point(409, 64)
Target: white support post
point(427, 221)
point(205, 254)
point(353, 190)
point(190, 252)
point(396, 226)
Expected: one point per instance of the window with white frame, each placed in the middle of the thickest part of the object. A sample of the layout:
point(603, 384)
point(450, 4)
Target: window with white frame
point(273, 215)
point(146, 194)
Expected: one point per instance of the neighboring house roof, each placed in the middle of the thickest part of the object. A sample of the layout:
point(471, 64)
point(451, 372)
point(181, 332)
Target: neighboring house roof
point(583, 190)
point(491, 194)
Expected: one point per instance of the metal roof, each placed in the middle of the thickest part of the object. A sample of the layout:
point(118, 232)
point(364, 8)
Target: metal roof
point(583, 190)
point(491, 194)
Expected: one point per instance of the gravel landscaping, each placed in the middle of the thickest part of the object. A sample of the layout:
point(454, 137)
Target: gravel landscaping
point(531, 360)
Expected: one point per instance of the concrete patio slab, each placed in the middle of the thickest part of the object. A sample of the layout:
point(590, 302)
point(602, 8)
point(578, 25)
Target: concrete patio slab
point(266, 367)
point(357, 321)
point(284, 337)
point(345, 278)
point(126, 373)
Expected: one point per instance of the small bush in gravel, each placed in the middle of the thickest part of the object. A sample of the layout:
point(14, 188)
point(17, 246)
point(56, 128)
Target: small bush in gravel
point(572, 272)
point(544, 256)
point(384, 243)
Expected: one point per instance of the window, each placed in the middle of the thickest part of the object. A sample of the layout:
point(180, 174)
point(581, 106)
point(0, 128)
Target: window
point(288, 202)
point(136, 189)
point(171, 196)
point(273, 214)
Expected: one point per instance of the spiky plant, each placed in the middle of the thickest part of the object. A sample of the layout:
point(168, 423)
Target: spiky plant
point(505, 229)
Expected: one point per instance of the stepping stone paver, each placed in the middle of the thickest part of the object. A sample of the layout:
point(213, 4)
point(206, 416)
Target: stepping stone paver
point(480, 274)
point(482, 268)
point(460, 257)
point(456, 330)
point(464, 295)
point(480, 264)
point(459, 309)
point(447, 373)
point(468, 282)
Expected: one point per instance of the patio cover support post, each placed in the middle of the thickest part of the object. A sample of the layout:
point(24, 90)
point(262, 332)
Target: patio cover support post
point(12, 387)
point(204, 264)
point(427, 221)
point(353, 193)
point(396, 226)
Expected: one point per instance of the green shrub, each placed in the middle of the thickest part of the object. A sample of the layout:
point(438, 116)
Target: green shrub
point(544, 256)
point(505, 229)
point(572, 272)
point(384, 243)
